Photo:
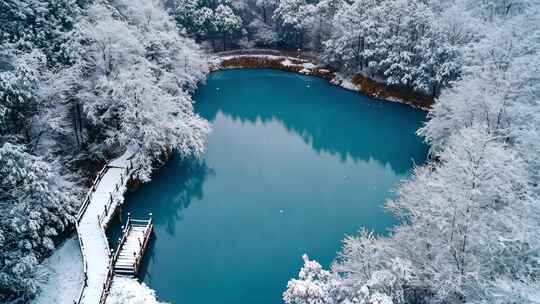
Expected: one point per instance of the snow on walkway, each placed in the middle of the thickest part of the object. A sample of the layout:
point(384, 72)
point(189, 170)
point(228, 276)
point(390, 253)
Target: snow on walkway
point(94, 244)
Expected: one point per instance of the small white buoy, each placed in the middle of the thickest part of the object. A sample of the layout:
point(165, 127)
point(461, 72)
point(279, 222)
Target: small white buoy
point(217, 89)
point(344, 176)
point(308, 86)
point(280, 210)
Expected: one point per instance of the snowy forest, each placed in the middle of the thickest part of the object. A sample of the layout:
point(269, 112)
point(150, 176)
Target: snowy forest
point(82, 80)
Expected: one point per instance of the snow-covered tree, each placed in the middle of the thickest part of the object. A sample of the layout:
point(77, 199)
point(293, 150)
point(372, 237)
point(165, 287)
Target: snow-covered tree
point(289, 16)
point(313, 285)
point(210, 20)
point(262, 34)
point(226, 22)
point(39, 24)
point(459, 212)
point(18, 90)
point(37, 204)
point(88, 79)
point(396, 40)
point(134, 82)
point(499, 83)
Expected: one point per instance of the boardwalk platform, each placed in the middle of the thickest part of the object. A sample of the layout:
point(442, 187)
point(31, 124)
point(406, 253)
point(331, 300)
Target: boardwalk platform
point(98, 207)
point(131, 247)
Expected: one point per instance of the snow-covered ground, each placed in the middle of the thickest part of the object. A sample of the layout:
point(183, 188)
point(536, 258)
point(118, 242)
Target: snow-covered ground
point(61, 274)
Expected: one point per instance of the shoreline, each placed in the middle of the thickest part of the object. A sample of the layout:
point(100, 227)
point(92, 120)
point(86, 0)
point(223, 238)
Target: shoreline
point(272, 59)
point(297, 64)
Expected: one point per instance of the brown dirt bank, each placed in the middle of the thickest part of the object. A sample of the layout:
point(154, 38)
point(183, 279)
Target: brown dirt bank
point(308, 66)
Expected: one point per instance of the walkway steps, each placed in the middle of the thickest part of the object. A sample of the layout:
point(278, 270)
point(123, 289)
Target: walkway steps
point(135, 237)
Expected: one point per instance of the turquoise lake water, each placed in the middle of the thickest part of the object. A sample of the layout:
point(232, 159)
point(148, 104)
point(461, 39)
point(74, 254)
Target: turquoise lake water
point(293, 164)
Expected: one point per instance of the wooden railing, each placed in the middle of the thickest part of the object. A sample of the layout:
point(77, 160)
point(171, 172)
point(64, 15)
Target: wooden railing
point(125, 233)
point(86, 202)
point(80, 213)
point(125, 230)
point(117, 187)
point(108, 278)
point(107, 208)
point(85, 266)
point(108, 282)
point(91, 191)
point(146, 239)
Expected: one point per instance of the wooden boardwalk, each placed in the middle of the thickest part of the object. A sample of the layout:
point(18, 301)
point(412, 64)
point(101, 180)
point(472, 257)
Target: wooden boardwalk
point(129, 254)
point(97, 209)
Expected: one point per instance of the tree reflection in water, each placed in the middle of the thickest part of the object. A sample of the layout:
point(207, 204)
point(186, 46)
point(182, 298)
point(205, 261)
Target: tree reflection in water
point(324, 118)
point(181, 181)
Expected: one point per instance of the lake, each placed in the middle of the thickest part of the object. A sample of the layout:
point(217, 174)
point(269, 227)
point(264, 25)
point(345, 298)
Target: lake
point(293, 165)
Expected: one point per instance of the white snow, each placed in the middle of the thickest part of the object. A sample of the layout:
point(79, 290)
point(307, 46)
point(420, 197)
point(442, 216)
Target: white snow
point(123, 160)
point(61, 274)
point(345, 83)
point(126, 290)
point(287, 63)
point(94, 245)
point(272, 57)
point(262, 56)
